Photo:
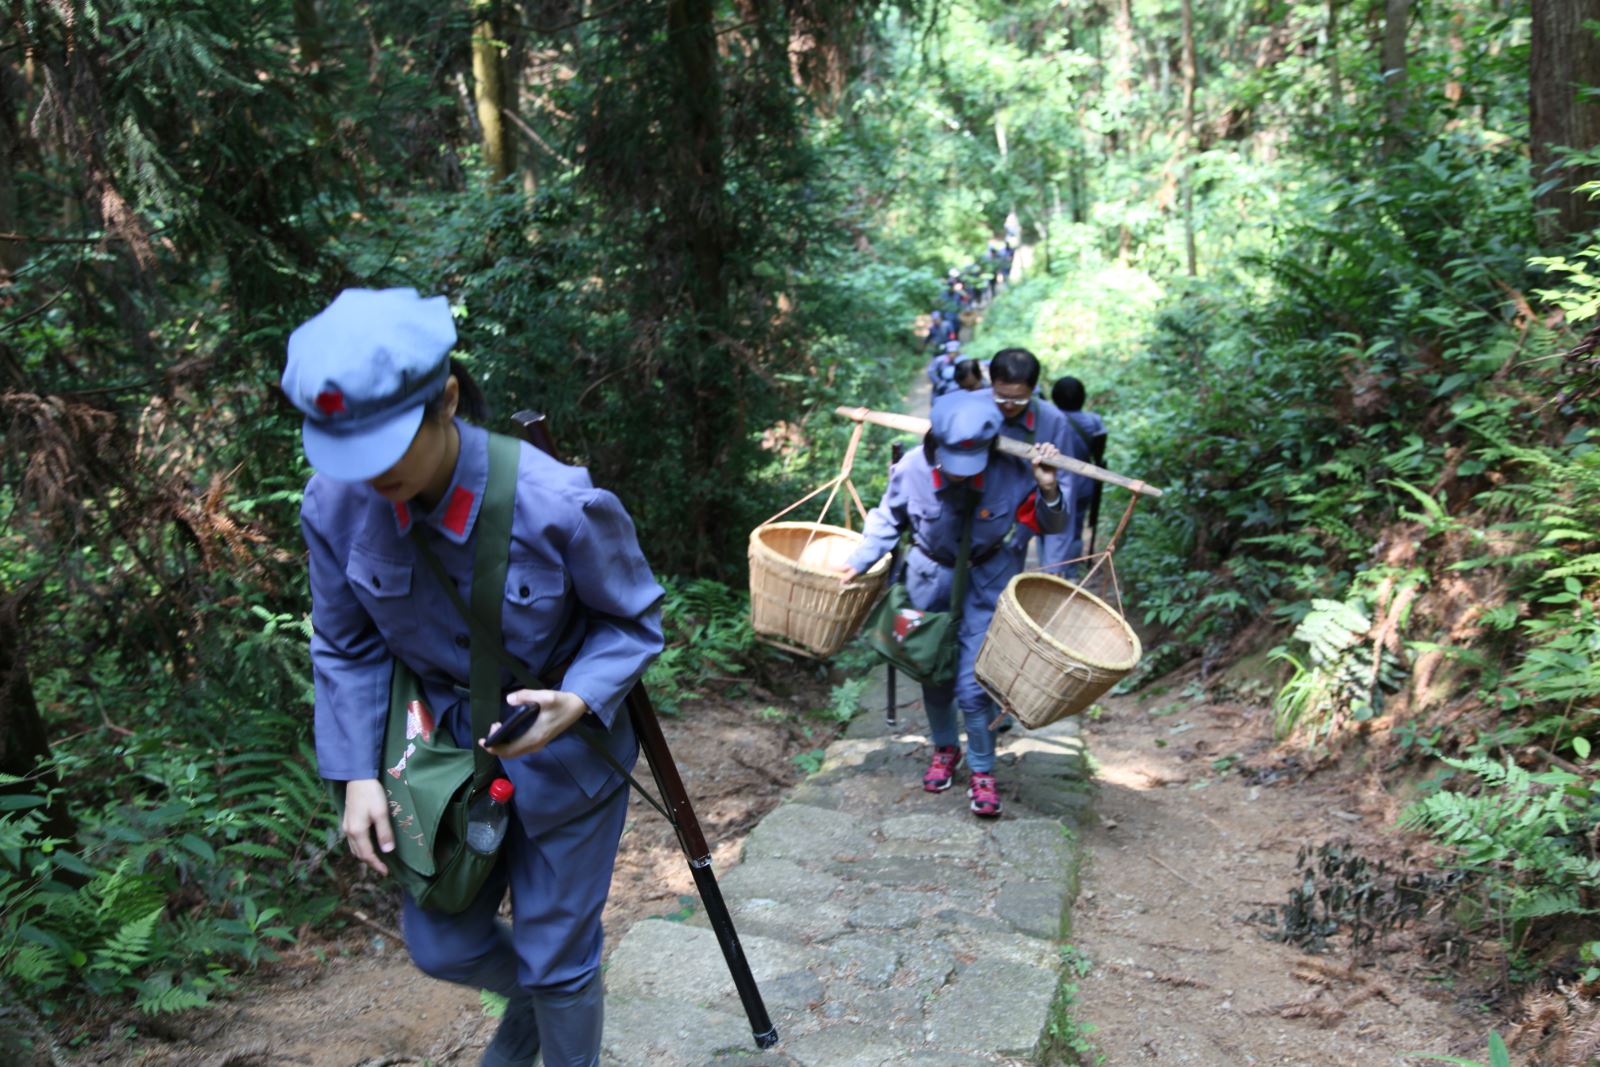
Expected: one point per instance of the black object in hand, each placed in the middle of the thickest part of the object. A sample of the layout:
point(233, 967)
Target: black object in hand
point(514, 725)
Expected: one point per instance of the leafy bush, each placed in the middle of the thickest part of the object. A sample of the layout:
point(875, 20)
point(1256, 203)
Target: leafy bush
point(1522, 834)
point(706, 626)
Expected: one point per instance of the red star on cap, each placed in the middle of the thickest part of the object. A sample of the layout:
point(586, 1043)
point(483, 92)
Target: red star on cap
point(330, 402)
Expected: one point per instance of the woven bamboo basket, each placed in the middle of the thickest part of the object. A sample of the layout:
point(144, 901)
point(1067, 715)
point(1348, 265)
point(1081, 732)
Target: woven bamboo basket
point(796, 599)
point(1052, 649)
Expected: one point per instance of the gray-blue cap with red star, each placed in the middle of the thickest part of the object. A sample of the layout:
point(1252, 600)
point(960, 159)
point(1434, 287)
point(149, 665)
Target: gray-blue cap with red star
point(361, 371)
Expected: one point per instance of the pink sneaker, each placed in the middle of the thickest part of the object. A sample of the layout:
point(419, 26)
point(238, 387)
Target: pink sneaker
point(985, 798)
point(941, 771)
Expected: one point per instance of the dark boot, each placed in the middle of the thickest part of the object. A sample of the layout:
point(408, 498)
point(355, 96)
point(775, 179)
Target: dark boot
point(572, 1025)
point(516, 1042)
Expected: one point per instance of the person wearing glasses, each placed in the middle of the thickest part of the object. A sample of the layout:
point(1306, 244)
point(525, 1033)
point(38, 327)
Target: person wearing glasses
point(932, 490)
point(1014, 382)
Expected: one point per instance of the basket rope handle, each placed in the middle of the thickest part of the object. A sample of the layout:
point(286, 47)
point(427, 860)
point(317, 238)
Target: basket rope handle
point(1101, 558)
point(831, 487)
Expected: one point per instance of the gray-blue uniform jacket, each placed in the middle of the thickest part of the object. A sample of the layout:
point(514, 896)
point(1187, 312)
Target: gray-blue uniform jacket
point(920, 499)
point(579, 594)
point(1046, 422)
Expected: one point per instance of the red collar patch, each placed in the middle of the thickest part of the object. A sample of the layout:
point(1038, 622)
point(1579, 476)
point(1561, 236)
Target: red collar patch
point(460, 509)
point(330, 402)
point(1028, 422)
point(402, 514)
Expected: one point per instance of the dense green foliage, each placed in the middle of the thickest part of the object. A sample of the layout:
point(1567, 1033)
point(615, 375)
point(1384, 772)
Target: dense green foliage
point(1370, 452)
point(722, 223)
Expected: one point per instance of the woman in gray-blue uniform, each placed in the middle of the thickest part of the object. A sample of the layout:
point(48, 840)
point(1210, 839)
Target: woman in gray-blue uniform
point(373, 376)
point(956, 470)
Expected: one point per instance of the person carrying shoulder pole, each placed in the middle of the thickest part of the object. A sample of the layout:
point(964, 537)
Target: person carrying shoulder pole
point(959, 498)
point(1014, 374)
point(1068, 395)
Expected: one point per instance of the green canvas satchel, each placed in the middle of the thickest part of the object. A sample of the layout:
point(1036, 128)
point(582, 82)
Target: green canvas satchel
point(923, 644)
point(429, 777)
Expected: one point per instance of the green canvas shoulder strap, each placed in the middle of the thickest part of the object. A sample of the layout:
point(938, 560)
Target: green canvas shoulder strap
point(483, 617)
point(1088, 449)
point(490, 560)
point(958, 583)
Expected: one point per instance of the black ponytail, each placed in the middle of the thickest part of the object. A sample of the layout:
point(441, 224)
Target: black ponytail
point(470, 403)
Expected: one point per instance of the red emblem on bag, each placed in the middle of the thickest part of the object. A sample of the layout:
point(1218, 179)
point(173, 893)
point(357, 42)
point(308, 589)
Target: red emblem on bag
point(400, 768)
point(330, 402)
point(419, 720)
point(906, 620)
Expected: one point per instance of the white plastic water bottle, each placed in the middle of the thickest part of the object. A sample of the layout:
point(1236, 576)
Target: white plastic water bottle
point(487, 819)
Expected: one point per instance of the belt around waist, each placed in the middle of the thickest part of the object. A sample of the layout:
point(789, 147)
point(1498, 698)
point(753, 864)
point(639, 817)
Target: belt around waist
point(974, 560)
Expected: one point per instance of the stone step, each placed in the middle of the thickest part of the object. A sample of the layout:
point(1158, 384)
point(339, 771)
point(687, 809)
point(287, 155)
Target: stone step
point(884, 925)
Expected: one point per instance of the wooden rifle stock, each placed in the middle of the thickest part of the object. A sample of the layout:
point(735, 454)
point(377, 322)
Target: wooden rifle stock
point(533, 428)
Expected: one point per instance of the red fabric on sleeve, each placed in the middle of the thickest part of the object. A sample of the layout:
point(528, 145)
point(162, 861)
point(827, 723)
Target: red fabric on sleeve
point(1028, 512)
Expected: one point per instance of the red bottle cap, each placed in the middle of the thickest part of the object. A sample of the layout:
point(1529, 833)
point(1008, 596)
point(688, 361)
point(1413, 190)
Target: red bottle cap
point(500, 790)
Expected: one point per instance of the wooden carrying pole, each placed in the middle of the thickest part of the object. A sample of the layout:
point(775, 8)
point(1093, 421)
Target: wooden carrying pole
point(919, 426)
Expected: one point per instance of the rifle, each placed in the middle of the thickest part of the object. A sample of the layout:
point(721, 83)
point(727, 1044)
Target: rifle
point(534, 428)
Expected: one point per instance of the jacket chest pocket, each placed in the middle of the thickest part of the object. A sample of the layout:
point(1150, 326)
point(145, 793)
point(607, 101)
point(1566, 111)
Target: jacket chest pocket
point(384, 588)
point(536, 604)
point(925, 518)
point(989, 528)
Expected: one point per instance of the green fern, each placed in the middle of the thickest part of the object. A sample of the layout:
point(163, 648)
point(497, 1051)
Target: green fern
point(1520, 832)
point(129, 948)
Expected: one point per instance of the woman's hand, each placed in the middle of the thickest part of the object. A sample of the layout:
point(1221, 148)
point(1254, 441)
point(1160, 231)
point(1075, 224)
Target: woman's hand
point(1044, 474)
point(366, 815)
point(557, 712)
point(847, 575)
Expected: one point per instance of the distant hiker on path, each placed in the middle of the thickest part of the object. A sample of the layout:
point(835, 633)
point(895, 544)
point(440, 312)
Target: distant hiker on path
point(969, 374)
point(942, 369)
point(395, 467)
point(1069, 395)
point(958, 478)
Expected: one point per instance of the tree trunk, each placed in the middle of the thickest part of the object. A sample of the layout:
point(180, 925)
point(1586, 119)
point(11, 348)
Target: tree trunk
point(1189, 77)
point(1392, 64)
point(1564, 55)
point(1122, 70)
point(1458, 48)
point(489, 91)
point(13, 254)
point(1335, 82)
point(308, 32)
point(23, 742)
point(701, 215)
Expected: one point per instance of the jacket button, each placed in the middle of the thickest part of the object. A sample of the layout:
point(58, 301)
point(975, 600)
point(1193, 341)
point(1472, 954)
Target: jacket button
point(523, 591)
point(377, 583)
point(462, 641)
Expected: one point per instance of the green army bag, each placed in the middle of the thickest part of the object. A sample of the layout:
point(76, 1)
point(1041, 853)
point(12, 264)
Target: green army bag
point(429, 778)
point(924, 645)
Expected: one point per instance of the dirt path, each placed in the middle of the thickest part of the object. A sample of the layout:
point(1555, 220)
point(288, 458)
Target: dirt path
point(342, 1000)
point(1183, 851)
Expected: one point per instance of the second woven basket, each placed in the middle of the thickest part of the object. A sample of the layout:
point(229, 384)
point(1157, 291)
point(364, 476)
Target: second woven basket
point(1052, 649)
